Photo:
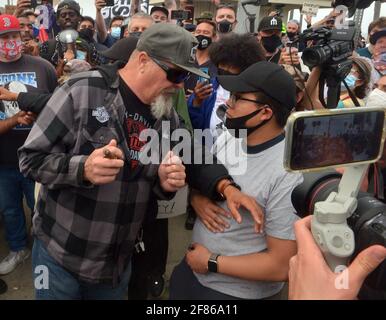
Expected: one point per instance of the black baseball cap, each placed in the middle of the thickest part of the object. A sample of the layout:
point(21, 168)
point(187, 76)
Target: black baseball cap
point(158, 8)
point(270, 23)
point(267, 77)
point(171, 43)
point(122, 49)
point(68, 4)
point(377, 35)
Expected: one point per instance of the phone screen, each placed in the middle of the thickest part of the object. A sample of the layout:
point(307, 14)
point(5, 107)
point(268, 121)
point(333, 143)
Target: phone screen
point(330, 140)
point(205, 70)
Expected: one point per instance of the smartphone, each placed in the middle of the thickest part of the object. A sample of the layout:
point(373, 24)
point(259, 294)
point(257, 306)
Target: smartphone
point(110, 3)
point(334, 138)
point(202, 79)
point(180, 15)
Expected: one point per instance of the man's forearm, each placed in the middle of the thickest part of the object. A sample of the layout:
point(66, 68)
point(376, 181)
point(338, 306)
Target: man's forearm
point(262, 266)
point(8, 124)
point(100, 26)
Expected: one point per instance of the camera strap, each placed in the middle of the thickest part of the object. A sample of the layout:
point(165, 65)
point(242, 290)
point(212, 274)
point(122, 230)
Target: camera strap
point(351, 94)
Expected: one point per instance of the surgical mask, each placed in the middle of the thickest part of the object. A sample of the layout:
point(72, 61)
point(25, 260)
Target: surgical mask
point(116, 32)
point(136, 34)
point(10, 49)
point(350, 80)
point(238, 124)
point(203, 42)
point(81, 55)
point(271, 43)
point(86, 34)
point(377, 98)
point(224, 26)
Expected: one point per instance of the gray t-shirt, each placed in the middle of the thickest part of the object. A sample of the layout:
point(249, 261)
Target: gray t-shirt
point(268, 182)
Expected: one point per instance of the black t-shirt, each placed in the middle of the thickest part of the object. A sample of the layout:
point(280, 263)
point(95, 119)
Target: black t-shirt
point(28, 74)
point(138, 118)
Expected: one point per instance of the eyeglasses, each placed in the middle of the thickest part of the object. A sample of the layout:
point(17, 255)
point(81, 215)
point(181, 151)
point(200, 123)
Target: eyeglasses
point(173, 75)
point(236, 97)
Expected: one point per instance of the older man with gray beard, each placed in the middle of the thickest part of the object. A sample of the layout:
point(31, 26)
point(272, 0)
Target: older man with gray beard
point(95, 193)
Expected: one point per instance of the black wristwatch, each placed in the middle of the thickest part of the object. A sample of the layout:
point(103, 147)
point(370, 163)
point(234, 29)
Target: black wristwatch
point(212, 262)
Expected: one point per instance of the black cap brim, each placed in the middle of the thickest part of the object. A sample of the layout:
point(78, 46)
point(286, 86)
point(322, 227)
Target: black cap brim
point(193, 70)
point(235, 84)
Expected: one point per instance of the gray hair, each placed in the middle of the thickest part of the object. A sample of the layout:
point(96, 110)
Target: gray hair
point(293, 21)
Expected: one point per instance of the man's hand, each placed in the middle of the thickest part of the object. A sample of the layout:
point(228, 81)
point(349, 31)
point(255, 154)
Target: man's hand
point(103, 164)
point(201, 92)
point(25, 118)
point(7, 95)
point(197, 258)
point(171, 173)
point(287, 58)
point(236, 199)
point(22, 5)
point(308, 19)
point(99, 4)
point(209, 212)
point(310, 278)
point(31, 47)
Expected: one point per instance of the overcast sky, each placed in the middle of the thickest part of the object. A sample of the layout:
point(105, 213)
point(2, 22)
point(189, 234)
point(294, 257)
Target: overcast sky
point(89, 10)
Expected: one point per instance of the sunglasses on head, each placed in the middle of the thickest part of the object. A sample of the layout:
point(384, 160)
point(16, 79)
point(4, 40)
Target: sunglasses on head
point(173, 75)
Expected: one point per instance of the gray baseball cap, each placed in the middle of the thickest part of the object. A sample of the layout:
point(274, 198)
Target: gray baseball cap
point(171, 43)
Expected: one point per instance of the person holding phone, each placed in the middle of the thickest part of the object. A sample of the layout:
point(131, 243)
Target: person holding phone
point(205, 34)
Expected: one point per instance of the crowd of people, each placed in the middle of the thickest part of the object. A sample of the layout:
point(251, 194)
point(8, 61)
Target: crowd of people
point(76, 98)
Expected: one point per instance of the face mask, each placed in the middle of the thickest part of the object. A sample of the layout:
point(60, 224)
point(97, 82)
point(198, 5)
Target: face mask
point(203, 42)
point(86, 34)
point(377, 98)
point(116, 32)
point(271, 43)
point(237, 124)
point(350, 80)
point(135, 34)
point(224, 26)
point(291, 35)
point(10, 49)
point(81, 55)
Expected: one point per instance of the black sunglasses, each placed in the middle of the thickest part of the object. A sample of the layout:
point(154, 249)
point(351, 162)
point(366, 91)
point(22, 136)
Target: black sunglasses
point(173, 75)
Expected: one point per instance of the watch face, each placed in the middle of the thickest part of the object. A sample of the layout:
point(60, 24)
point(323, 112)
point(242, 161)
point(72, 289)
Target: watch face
point(212, 263)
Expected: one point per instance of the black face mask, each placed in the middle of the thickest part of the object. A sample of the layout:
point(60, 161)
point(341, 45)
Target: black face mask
point(224, 26)
point(203, 42)
point(237, 124)
point(271, 43)
point(86, 34)
point(135, 34)
point(291, 35)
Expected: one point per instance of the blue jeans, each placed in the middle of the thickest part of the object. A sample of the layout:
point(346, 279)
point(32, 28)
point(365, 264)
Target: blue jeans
point(13, 185)
point(62, 285)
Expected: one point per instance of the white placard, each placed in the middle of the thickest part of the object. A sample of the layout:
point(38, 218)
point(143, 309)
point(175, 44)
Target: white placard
point(174, 207)
point(121, 8)
point(310, 9)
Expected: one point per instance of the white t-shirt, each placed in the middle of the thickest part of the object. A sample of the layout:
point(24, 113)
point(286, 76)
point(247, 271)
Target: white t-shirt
point(222, 96)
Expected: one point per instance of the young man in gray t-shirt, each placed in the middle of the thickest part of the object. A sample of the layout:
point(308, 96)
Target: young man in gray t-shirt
point(239, 263)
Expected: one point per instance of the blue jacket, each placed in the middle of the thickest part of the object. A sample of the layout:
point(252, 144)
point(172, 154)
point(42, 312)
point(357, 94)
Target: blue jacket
point(200, 116)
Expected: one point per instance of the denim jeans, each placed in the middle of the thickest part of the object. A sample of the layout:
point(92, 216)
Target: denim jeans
point(13, 185)
point(62, 285)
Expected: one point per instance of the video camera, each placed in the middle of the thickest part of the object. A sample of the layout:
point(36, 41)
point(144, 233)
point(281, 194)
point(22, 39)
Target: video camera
point(316, 142)
point(331, 50)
